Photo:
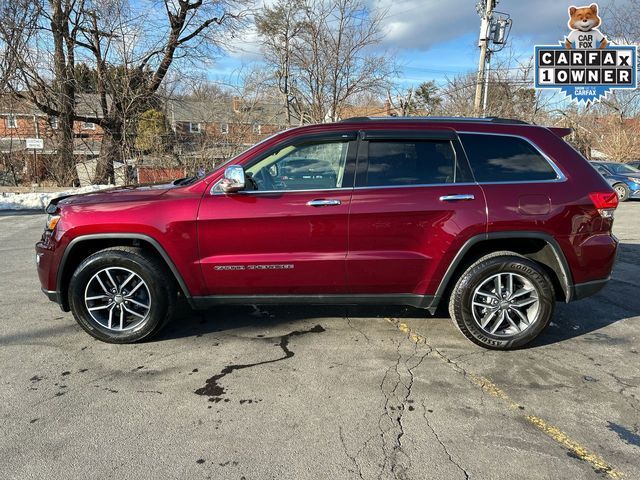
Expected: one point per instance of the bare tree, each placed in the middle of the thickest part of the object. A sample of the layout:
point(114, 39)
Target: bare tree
point(26, 28)
point(321, 53)
point(131, 47)
point(281, 27)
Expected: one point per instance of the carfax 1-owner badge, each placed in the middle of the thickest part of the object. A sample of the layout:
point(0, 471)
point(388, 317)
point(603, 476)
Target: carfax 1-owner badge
point(586, 65)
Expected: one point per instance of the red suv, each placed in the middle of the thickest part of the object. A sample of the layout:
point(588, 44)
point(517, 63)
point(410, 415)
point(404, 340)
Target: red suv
point(495, 217)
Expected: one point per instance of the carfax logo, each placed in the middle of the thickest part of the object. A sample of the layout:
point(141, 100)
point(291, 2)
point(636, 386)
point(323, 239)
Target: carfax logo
point(586, 66)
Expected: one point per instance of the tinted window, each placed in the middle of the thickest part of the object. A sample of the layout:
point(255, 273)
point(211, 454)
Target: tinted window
point(497, 158)
point(411, 162)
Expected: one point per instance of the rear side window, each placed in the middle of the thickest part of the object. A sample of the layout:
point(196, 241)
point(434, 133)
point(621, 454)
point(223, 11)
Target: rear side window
point(410, 162)
point(499, 158)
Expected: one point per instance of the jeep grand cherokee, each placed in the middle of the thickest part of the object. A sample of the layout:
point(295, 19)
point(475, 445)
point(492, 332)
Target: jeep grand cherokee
point(495, 218)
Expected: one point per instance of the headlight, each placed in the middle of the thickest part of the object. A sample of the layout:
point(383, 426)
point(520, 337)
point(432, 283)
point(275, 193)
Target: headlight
point(635, 180)
point(52, 221)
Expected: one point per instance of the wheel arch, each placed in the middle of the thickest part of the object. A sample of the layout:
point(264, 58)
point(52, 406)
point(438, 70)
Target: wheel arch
point(538, 246)
point(81, 247)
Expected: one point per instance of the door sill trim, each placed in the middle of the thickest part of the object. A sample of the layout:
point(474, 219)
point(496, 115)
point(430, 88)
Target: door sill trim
point(409, 299)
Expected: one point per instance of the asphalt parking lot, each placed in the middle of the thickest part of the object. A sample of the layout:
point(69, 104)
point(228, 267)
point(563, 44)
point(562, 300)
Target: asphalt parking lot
point(317, 392)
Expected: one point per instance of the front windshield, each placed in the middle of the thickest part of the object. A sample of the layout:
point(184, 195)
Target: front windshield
point(622, 169)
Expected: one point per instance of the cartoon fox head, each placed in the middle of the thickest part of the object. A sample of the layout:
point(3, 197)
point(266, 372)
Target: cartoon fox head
point(584, 18)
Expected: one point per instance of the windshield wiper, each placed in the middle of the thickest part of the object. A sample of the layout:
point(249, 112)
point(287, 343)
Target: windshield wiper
point(184, 181)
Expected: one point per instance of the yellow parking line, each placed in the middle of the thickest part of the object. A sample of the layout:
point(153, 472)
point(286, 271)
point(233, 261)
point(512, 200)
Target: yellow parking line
point(492, 389)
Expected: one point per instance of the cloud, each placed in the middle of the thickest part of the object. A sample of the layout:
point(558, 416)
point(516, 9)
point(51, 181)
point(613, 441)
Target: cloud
point(421, 24)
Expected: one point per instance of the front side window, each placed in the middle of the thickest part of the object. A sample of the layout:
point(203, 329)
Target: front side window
point(311, 166)
point(194, 127)
point(502, 158)
point(88, 126)
point(12, 121)
point(601, 170)
point(410, 162)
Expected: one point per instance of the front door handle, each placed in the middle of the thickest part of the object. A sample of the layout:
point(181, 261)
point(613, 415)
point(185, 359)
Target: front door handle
point(323, 203)
point(457, 198)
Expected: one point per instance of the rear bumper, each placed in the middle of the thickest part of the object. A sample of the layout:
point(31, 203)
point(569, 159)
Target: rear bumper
point(584, 290)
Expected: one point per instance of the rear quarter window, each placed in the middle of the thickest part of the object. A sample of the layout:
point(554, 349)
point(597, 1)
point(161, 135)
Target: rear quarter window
point(501, 158)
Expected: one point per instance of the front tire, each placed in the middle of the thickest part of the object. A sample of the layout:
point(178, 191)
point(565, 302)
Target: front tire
point(121, 295)
point(503, 301)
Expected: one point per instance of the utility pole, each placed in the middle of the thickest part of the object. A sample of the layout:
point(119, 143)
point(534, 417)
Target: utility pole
point(486, 7)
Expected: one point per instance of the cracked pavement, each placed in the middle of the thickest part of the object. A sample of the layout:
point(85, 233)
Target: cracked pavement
point(312, 392)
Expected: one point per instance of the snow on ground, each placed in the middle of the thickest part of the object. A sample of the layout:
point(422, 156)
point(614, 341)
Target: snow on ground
point(40, 200)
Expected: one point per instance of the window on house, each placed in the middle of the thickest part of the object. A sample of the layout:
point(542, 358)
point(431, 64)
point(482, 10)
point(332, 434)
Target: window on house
point(53, 122)
point(257, 128)
point(194, 127)
point(88, 126)
point(12, 121)
point(224, 128)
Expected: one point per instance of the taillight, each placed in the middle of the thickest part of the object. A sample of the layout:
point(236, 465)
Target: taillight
point(605, 202)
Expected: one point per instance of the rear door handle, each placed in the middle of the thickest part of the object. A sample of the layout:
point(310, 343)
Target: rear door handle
point(457, 198)
point(323, 203)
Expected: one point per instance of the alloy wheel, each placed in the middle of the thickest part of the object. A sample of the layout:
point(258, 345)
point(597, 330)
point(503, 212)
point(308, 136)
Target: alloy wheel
point(505, 304)
point(118, 299)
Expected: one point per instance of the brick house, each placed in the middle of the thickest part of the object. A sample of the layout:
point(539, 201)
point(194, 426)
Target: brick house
point(216, 130)
point(20, 119)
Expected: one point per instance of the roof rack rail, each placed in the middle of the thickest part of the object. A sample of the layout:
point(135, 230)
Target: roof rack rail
point(437, 119)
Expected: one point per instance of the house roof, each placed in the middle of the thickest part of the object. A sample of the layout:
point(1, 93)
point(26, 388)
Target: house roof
point(87, 104)
point(223, 111)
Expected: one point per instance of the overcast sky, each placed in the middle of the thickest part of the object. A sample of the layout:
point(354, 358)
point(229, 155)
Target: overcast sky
point(435, 39)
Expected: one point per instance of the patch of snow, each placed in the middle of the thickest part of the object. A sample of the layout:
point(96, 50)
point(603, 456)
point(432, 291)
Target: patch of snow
point(40, 200)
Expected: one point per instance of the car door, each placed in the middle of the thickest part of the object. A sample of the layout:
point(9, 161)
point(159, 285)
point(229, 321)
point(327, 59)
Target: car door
point(287, 236)
point(414, 205)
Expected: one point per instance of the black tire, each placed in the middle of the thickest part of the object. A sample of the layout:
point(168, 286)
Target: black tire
point(159, 287)
point(460, 303)
point(623, 191)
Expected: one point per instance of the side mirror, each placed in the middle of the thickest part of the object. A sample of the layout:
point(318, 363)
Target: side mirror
point(234, 179)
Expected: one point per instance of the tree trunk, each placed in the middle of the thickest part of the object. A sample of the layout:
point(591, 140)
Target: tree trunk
point(110, 151)
point(65, 92)
point(67, 174)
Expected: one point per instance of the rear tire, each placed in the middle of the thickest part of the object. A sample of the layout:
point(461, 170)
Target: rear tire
point(503, 301)
point(623, 191)
point(121, 295)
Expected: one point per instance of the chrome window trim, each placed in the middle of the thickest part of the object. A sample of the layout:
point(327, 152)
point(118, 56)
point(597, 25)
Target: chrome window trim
point(421, 185)
point(560, 176)
point(264, 192)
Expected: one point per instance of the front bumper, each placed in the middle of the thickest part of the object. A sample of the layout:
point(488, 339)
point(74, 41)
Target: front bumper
point(47, 261)
point(52, 295)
